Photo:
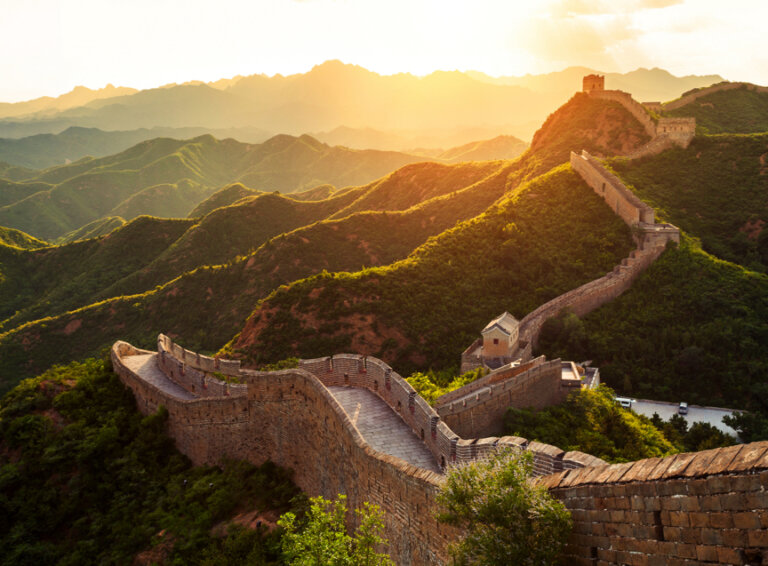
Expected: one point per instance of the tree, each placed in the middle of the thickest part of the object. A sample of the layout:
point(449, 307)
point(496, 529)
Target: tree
point(322, 539)
point(507, 520)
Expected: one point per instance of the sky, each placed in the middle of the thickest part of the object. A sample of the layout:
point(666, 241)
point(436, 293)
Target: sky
point(47, 47)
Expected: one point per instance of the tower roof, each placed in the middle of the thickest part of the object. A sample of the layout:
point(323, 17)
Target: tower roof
point(505, 322)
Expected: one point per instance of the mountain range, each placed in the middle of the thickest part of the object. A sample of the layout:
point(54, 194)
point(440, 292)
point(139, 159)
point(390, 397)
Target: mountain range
point(340, 103)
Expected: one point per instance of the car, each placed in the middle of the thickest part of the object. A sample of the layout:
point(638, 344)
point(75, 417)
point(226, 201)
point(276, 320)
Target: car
point(625, 402)
point(682, 409)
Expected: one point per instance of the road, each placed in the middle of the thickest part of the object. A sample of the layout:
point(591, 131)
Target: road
point(711, 415)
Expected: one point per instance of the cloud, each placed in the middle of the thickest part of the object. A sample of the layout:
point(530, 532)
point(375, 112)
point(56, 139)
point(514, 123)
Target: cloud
point(565, 8)
point(568, 39)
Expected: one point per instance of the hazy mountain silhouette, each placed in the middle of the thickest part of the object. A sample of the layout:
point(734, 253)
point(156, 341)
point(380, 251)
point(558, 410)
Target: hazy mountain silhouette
point(78, 96)
point(335, 94)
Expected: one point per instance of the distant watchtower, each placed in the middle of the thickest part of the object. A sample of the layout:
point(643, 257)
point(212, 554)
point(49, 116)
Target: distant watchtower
point(593, 82)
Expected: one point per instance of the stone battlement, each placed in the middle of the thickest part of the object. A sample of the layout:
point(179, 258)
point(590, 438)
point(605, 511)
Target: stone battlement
point(708, 506)
point(292, 418)
point(652, 239)
point(674, 131)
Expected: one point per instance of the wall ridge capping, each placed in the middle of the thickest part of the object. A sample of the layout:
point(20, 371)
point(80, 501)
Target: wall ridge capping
point(727, 461)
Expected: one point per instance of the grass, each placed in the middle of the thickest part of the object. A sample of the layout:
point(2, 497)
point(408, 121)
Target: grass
point(738, 111)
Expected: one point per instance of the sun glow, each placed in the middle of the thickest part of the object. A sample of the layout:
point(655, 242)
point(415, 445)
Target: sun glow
point(147, 43)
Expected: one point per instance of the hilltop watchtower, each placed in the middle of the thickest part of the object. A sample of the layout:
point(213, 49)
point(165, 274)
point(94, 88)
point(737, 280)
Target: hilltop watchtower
point(593, 82)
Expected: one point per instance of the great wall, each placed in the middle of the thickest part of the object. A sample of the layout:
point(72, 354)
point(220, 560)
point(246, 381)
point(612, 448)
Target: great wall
point(350, 424)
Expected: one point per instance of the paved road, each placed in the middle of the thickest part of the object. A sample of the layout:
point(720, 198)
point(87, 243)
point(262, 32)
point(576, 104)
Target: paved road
point(711, 415)
point(145, 366)
point(382, 427)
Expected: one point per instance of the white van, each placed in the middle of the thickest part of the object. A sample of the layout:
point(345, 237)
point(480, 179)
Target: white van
point(625, 402)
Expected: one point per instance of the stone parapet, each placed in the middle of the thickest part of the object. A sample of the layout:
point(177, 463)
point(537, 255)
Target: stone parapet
point(703, 507)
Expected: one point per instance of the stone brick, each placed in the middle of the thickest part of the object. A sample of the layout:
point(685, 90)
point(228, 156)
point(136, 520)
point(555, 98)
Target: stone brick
point(757, 538)
point(685, 550)
point(698, 519)
point(734, 537)
point(727, 555)
point(720, 520)
point(748, 457)
point(679, 519)
point(711, 536)
point(706, 553)
point(746, 520)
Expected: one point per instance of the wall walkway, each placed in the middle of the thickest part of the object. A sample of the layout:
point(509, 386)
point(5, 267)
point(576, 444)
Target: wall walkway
point(311, 420)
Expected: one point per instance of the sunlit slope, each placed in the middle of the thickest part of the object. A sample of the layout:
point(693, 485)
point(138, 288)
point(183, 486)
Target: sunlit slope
point(425, 310)
point(715, 190)
point(500, 147)
point(18, 239)
point(208, 305)
point(225, 196)
point(170, 177)
point(415, 183)
point(95, 229)
point(739, 111)
point(227, 232)
point(48, 281)
point(14, 191)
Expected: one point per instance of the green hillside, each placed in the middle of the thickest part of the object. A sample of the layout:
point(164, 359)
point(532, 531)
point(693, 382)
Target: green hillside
point(52, 280)
point(13, 191)
point(224, 296)
point(170, 177)
point(86, 479)
point(738, 111)
point(715, 190)
point(97, 228)
point(227, 232)
point(423, 311)
point(168, 200)
point(689, 320)
point(18, 239)
point(225, 196)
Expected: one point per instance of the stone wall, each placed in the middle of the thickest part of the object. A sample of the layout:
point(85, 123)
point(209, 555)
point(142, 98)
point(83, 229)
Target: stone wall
point(679, 130)
point(622, 201)
point(292, 419)
point(652, 240)
point(634, 107)
point(492, 378)
point(688, 98)
point(703, 507)
point(482, 413)
point(445, 444)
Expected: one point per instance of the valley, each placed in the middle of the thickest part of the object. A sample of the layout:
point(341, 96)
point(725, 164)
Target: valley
point(333, 265)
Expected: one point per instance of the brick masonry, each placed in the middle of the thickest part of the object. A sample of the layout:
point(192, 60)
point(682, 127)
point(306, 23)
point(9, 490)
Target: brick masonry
point(707, 507)
point(291, 418)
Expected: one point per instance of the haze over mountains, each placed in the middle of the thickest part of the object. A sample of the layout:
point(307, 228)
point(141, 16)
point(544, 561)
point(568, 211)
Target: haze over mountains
point(339, 104)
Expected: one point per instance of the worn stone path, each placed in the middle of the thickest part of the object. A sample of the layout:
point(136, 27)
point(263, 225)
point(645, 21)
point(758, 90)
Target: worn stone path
point(145, 366)
point(382, 428)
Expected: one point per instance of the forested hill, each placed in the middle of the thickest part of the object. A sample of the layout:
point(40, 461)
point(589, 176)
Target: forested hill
point(743, 110)
point(207, 305)
point(166, 177)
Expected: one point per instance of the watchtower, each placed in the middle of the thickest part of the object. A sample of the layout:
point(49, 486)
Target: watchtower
point(593, 82)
